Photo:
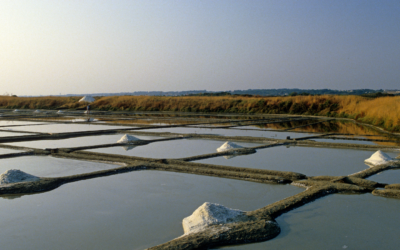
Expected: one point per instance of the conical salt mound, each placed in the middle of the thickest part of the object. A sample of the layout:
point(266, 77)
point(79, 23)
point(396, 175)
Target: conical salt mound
point(16, 175)
point(228, 146)
point(60, 112)
point(379, 158)
point(127, 139)
point(210, 214)
point(16, 110)
point(87, 99)
point(37, 111)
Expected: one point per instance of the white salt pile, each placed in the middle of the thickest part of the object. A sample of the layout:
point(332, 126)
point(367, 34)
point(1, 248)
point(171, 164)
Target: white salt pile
point(228, 146)
point(379, 158)
point(127, 138)
point(16, 110)
point(60, 112)
point(36, 111)
point(210, 214)
point(16, 175)
point(87, 99)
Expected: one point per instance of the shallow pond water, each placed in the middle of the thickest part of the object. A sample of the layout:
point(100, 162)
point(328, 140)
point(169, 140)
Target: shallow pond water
point(391, 176)
point(231, 132)
point(47, 166)
point(77, 142)
point(338, 222)
point(308, 161)
point(7, 134)
point(9, 151)
point(14, 123)
point(63, 128)
point(135, 210)
point(171, 149)
point(344, 141)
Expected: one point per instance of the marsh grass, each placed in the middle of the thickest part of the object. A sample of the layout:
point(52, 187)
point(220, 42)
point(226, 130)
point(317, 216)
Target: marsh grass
point(383, 112)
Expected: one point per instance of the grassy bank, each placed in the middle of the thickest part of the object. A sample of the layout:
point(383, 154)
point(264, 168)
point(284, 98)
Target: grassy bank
point(383, 112)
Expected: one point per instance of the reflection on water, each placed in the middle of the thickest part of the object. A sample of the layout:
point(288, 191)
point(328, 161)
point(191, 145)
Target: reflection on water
point(134, 210)
point(77, 142)
point(308, 161)
point(62, 128)
point(171, 149)
point(337, 222)
point(127, 148)
point(391, 176)
point(47, 166)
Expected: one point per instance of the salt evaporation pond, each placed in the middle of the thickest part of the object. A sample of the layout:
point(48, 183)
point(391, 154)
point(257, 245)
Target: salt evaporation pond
point(345, 141)
point(77, 142)
point(306, 160)
point(9, 151)
point(7, 134)
point(4, 123)
point(47, 166)
point(337, 222)
point(390, 176)
point(231, 132)
point(63, 128)
point(135, 210)
point(171, 149)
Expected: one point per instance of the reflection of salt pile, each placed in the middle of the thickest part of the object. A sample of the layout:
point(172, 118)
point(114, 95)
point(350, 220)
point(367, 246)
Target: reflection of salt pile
point(127, 148)
point(379, 158)
point(87, 99)
point(60, 112)
point(228, 146)
point(229, 156)
point(15, 175)
point(127, 138)
point(84, 120)
point(210, 214)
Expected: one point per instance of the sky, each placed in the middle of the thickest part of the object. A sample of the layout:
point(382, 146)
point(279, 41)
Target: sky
point(52, 47)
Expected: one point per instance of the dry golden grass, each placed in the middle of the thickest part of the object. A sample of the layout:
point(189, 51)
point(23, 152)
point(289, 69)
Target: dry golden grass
point(383, 111)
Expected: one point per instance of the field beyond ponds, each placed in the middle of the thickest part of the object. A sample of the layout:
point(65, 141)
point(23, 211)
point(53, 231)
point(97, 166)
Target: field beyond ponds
point(373, 111)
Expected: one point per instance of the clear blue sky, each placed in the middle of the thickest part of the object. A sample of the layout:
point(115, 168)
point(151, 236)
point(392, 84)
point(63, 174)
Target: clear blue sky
point(78, 46)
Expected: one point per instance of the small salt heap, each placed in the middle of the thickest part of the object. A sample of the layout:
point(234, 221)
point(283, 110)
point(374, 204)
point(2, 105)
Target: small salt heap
point(37, 111)
point(379, 158)
point(210, 214)
point(16, 110)
point(127, 138)
point(16, 175)
point(87, 99)
point(60, 112)
point(228, 146)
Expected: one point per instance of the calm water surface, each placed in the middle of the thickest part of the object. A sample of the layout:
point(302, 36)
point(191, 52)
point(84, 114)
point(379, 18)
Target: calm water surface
point(232, 132)
point(171, 149)
point(135, 210)
point(6, 134)
point(9, 151)
point(305, 160)
point(63, 128)
point(391, 176)
point(77, 142)
point(47, 166)
point(338, 222)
